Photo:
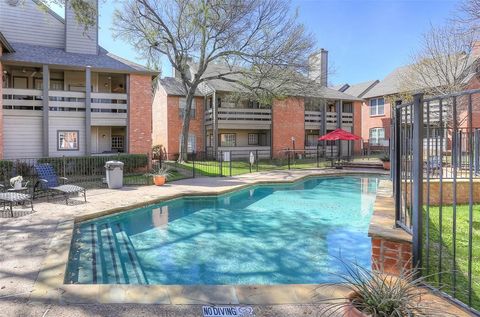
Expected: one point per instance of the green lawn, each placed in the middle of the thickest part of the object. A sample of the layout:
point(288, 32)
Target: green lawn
point(212, 168)
point(445, 247)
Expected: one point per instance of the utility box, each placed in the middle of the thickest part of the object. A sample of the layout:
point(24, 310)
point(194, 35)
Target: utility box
point(114, 171)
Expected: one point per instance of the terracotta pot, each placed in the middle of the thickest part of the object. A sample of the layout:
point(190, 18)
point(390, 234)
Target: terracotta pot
point(386, 165)
point(159, 180)
point(350, 310)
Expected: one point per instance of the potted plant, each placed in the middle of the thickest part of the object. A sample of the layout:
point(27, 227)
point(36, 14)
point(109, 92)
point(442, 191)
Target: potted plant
point(374, 293)
point(386, 162)
point(16, 182)
point(160, 175)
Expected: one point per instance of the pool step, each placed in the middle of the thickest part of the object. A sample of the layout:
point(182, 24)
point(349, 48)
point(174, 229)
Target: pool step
point(108, 256)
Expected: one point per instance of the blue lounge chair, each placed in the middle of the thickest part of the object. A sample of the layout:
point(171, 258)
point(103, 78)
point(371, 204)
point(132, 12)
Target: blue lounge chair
point(434, 165)
point(48, 180)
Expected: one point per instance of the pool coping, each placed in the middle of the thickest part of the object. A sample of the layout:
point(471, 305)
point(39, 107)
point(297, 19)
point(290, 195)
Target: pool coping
point(50, 287)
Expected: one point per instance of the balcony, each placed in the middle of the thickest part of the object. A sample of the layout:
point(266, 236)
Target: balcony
point(108, 109)
point(240, 118)
point(22, 99)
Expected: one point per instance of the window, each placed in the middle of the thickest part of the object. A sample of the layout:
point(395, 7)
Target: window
point(191, 143)
point(377, 136)
point(183, 104)
point(20, 82)
point(311, 140)
point(377, 107)
point(228, 139)
point(118, 143)
point(67, 140)
point(347, 108)
point(252, 139)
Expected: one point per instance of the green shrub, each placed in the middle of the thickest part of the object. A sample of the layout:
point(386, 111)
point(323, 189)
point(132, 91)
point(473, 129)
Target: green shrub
point(95, 165)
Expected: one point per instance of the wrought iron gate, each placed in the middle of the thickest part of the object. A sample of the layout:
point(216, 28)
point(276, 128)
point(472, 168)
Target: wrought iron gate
point(436, 175)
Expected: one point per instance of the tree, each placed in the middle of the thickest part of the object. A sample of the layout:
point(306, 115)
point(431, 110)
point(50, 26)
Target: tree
point(85, 10)
point(258, 43)
point(441, 64)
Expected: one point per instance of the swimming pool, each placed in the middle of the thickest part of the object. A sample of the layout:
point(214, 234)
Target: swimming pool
point(267, 234)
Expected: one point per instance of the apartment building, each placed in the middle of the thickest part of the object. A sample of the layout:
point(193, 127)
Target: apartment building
point(223, 122)
point(378, 96)
point(62, 93)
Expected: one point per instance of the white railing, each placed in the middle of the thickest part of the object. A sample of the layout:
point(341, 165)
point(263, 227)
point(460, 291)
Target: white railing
point(66, 100)
point(331, 118)
point(313, 117)
point(238, 114)
point(347, 118)
point(106, 102)
point(27, 99)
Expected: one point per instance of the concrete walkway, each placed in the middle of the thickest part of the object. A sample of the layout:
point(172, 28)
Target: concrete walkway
point(24, 242)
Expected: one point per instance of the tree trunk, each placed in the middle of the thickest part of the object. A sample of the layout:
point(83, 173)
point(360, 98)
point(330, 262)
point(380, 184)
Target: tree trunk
point(183, 144)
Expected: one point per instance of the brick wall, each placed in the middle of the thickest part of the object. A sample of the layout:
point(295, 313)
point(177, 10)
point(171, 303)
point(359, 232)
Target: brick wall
point(140, 114)
point(391, 257)
point(357, 126)
point(288, 120)
point(175, 124)
point(463, 186)
point(1, 106)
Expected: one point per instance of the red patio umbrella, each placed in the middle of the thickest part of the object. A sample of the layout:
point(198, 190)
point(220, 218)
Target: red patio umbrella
point(339, 134)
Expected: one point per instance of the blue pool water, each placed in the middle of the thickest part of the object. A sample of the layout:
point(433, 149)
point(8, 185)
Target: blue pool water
point(269, 234)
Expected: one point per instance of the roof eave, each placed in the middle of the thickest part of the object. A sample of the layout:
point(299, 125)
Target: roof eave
point(5, 45)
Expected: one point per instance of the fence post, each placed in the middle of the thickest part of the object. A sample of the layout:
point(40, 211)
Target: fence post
point(221, 165)
point(397, 161)
point(256, 159)
point(193, 165)
point(318, 157)
point(64, 169)
point(417, 178)
point(288, 158)
point(230, 164)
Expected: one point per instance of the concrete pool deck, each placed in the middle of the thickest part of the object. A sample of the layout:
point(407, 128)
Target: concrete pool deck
point(34, 250)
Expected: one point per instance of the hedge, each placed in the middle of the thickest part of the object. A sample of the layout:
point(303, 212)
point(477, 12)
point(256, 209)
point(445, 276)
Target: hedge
point(95, 165)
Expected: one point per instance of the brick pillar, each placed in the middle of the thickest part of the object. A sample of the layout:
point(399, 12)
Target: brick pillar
point(1, 106)
point(391, 257)
point(357, 126)
point(288, 120)
point(140, 114)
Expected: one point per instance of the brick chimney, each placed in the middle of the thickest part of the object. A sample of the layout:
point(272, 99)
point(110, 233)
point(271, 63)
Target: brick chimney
point(318, 67)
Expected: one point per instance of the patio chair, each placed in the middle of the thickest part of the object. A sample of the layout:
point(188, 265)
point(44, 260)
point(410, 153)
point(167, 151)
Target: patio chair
point(48, 180)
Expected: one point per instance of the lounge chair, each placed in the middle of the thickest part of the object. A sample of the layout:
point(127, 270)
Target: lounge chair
point(434, 164)
point(48, 180)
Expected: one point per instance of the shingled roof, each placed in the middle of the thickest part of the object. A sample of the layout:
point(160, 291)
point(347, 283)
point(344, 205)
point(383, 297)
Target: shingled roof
point(42, 55)
point(174, 87)
point(360, 89)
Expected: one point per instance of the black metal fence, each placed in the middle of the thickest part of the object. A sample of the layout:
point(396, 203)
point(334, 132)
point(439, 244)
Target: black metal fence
point(436, 173)
point(86, 171)
point(236, 162)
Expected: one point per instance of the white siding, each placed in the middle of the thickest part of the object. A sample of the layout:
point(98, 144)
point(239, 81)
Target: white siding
point(66, 121)
point(22, 134)
point(79, 40)
point(27, 23)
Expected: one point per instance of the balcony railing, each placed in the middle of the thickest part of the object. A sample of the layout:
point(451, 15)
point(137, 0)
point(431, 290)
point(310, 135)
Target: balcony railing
point(240, 115)
point(22, 99)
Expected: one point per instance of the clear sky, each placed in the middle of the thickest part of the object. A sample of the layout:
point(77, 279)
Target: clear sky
point(365, 39)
